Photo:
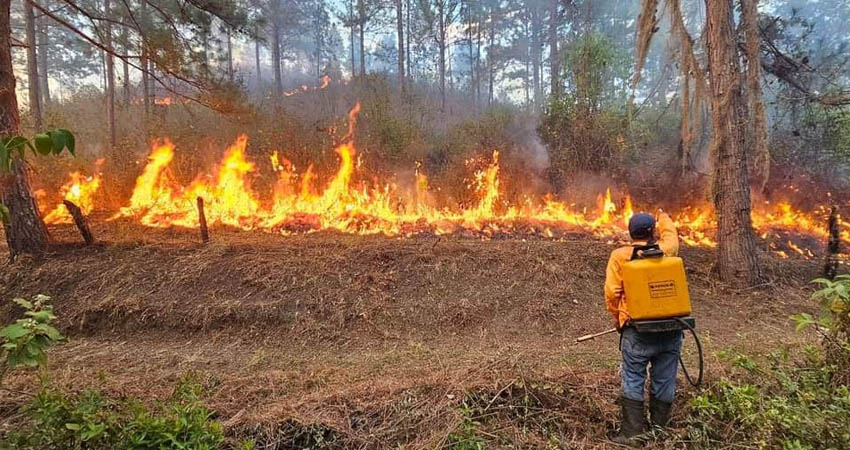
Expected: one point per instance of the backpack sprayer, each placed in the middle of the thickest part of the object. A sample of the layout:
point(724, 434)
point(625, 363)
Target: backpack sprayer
point(657, 298)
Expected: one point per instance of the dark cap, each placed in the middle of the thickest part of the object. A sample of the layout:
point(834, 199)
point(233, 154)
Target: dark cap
point(641, 226)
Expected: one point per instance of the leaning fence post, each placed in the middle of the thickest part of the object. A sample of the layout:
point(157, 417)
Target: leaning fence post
point(202, 219)
point(79, 221)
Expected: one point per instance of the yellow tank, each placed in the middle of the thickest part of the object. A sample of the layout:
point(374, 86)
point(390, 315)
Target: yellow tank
point(656, 288)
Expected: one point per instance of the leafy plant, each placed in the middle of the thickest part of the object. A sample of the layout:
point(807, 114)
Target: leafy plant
point(833, 322)
point(25, 342)
point(466, 436)
point(791, 404)
point(50, 142)
point(92, 420)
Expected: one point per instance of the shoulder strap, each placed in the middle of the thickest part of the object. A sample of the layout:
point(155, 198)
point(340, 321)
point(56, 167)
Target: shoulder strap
point(646, 251)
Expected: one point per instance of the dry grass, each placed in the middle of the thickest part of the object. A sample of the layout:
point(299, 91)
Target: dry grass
point(368, 342)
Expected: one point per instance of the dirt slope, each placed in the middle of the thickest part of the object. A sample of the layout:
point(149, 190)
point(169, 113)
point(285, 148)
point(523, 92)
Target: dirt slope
point(367, 341)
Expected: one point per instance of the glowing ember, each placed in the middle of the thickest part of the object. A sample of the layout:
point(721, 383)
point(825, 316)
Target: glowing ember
point(79, 190)
point(326, 80)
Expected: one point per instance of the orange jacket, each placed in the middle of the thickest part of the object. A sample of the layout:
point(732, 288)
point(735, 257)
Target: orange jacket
point(669, 243)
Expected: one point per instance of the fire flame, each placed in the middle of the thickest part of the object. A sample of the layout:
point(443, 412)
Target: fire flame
point(80, 190)
point(347, 201)
point(326, 80)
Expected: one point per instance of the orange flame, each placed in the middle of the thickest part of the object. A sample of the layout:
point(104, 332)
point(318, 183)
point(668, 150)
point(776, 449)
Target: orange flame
point(350, 202)
point(80, 190)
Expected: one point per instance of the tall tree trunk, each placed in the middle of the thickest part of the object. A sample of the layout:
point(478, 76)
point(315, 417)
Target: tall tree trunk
point(110, 72)
point(278, 80)
point(478, 60)
point(407, 43)
point(143, 62)
point(351, 23)
point(25, 231)
point(227, 33)
point(128, 92)
point(361, 21)
point(737, 259)
point(471, 54)
point(441, 42)
point(43, 48)
point(257, 58)
point(758, 122)
point(490, 61)
point(554, 54)
point(536, 31)
point(32, 66)
point(400, 33)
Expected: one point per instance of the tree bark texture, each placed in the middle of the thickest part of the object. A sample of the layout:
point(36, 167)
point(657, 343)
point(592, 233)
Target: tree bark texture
point(737, 258)
point(25, 231)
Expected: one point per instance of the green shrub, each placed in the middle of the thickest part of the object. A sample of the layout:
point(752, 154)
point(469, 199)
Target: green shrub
point(90, 420)
point(466, 436)
point(24, 342)
point(833, 324)
point(789, 405)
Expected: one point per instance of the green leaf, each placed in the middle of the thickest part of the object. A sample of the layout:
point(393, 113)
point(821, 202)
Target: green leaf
point(43, 143)
point(22, 303)
point(69, 140)
point(73, 426)
point(42, 316)
point(58, 140)
point(14, 331)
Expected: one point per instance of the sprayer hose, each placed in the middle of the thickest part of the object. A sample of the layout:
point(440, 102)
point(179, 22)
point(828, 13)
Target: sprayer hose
point(699, 352)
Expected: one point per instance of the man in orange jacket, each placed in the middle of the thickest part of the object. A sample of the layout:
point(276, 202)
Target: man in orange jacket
point(659, 351)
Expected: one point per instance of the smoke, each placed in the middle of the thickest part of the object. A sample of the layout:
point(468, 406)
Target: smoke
point(525, 135)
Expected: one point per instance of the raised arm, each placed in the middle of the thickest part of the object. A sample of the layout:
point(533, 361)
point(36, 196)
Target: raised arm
point(669, 240)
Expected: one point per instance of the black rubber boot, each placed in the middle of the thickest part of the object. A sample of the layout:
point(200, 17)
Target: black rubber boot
point(633, 422)
point(659, 412)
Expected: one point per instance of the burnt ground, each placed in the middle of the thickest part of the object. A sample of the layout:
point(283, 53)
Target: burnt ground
point(369, 341)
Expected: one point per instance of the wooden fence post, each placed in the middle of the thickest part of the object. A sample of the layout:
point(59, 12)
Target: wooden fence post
point(80, 221)
point(202, 218)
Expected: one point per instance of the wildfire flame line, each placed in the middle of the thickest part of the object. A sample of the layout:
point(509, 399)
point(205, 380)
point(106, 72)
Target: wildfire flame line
point(301, 202)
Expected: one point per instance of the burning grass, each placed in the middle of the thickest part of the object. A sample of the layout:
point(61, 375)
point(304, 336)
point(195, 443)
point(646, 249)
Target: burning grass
point(352, 201)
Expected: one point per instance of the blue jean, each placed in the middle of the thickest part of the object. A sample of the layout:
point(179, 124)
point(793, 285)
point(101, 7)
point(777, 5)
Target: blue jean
point(659, 351)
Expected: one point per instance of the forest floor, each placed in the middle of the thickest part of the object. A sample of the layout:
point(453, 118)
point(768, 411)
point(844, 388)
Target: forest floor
point(370, 341)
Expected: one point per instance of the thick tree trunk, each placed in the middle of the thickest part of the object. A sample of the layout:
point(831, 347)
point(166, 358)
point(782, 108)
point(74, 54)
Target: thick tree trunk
point(25, 231)
point(400, 33)
point(110, 72)
point(43, 42)
point(737, 258)
point(32, 66)
point(554, 54)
